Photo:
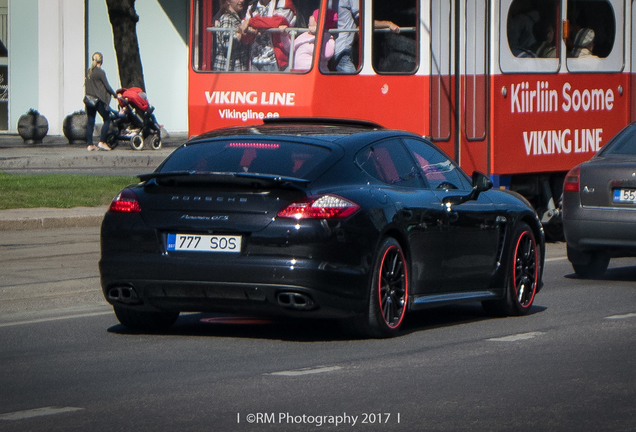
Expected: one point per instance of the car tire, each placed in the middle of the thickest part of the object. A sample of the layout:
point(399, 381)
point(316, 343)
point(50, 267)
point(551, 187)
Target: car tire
point(143, 320)
point(522, 275)
point(595, 267)
point(388, 294)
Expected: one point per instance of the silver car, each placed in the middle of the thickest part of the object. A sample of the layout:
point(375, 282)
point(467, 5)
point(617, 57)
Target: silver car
point(599, 206)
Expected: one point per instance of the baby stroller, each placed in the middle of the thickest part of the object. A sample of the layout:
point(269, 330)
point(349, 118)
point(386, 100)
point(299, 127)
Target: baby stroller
point(134, 122)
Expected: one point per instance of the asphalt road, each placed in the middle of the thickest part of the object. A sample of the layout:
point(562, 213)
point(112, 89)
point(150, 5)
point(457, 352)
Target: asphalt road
point(66, 365)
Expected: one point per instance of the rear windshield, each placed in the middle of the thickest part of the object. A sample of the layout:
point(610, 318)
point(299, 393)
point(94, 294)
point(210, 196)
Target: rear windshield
point(623, 144)
point(263, 157)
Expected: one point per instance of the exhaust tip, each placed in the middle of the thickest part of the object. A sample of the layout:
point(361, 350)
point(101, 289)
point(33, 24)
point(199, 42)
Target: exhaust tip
point(294, 300)
point(123, 294)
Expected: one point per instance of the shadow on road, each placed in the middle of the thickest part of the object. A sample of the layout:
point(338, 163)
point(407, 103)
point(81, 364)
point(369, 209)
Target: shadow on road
point(310, 330)
point(623, 274)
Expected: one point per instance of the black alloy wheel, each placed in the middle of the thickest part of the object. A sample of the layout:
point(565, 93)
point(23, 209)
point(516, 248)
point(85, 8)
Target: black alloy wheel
point(522, 276)
point(526, 269)
point(388, 295)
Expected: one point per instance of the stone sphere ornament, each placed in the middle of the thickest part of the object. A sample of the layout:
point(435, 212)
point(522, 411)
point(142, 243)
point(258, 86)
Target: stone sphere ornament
point(32, 127)
point(74, 127)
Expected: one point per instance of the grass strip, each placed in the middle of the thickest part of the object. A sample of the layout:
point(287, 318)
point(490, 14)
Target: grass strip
point(59, 190)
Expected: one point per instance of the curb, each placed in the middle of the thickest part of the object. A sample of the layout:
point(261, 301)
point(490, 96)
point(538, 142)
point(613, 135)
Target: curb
point(49, 218)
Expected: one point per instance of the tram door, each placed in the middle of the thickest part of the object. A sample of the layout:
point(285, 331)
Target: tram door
point(459, 108)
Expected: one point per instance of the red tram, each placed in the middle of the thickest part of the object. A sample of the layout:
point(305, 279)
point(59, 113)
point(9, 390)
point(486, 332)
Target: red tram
point(521, 90)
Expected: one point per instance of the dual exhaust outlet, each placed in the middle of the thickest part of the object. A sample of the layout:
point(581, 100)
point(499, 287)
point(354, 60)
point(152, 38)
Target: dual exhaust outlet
point(123, 294)
point(295, 300)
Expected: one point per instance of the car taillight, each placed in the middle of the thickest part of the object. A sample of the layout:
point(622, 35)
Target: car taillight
point(125, 202)
point(322, 207)
point(572, 181)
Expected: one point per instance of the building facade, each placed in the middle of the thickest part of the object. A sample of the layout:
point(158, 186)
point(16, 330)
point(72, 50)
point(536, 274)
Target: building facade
point(46, 47)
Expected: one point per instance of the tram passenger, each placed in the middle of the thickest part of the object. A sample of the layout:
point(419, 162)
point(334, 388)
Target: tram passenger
point(583, 44)
point(348, 18)
point(522, 18)
point(305, 43)
point(231, 17)
point(269, 50)
point(543, 31)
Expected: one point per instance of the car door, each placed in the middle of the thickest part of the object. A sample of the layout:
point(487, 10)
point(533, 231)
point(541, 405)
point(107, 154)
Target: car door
point(418, 210)
point(470, 230)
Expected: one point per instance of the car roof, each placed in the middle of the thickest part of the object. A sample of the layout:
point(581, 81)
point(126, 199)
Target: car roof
point(323, 129)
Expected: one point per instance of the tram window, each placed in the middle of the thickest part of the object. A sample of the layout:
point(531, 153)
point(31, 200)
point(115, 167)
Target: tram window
point(532, 29)
point(216, 38)
point(530, 36)
point(595, 35)
point(395, 37)
point(347, 55)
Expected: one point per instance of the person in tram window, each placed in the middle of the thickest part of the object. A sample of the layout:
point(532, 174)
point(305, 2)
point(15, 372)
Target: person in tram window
point(305, 43)
point(348, 18)
point(231, 18)
point(521, 20)
point(583, 44)
point(544, 47)
point(269, 50)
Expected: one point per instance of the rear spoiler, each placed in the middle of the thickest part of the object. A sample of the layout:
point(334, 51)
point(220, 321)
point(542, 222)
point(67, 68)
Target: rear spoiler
point(236, 178)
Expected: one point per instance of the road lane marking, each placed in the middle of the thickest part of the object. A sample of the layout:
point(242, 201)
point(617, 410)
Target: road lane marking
point(37, 412)
point(64, 317)
point(556, 259)
point(625, 316)
point(307, 371)
point(517, 337)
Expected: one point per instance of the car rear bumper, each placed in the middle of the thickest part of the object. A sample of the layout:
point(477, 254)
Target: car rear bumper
point(597, 228)
point(255, 285)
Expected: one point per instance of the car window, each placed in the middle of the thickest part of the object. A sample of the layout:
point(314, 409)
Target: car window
point(264, 157)
point(389, 162)
point(623, 144)
point(439, 171)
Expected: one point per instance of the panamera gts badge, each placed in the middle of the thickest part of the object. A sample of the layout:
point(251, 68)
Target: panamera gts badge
point(208, 199)
point(205, 218)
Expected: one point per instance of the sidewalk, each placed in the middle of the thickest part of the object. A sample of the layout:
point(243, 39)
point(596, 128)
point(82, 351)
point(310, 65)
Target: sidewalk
point(56, 155)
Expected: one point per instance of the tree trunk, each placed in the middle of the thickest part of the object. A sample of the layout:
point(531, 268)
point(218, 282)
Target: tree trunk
point(123, 19)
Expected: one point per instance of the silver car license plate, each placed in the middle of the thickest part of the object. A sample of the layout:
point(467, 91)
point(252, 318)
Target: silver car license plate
point(625, 195)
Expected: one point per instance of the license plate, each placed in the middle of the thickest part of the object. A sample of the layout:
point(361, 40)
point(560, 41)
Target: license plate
point(625, 195)
point(204, 243)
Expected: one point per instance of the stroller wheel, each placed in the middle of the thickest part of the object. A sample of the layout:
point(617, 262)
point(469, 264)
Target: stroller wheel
point(111, 140)
point(136, 142)
point(154, 142)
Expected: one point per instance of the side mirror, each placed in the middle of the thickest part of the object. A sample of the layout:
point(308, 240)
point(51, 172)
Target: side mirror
point(481, 183)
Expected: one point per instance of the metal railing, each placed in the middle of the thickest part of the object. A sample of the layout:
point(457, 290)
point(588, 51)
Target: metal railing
point(293, 33)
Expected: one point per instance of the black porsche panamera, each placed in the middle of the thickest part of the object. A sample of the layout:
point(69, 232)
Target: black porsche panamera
point(321, 218)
